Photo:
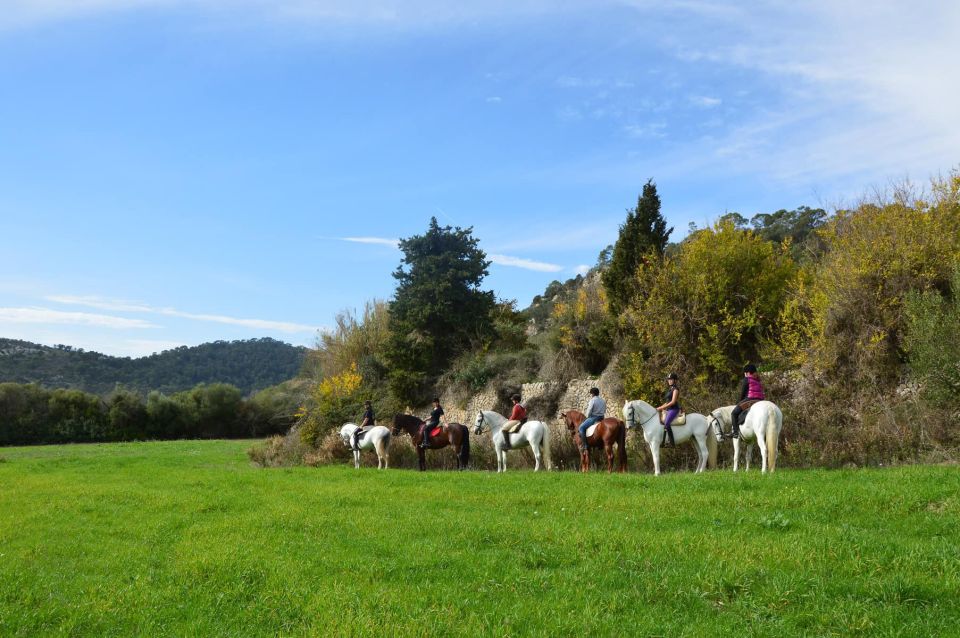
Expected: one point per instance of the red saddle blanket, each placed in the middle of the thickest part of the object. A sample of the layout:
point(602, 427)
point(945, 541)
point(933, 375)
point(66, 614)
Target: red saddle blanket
point(437, 430)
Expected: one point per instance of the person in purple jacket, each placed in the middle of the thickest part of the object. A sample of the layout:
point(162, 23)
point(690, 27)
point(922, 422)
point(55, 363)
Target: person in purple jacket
point(751, 391)
point(671, 406)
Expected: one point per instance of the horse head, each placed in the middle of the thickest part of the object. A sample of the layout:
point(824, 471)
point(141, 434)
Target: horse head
point(478, 426)
point(405, 422)
point(569, 419)
point(714, 420)
point(629, 415)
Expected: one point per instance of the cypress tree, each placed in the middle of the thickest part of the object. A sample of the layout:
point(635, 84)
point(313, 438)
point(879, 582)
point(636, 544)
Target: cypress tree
point(643, 233)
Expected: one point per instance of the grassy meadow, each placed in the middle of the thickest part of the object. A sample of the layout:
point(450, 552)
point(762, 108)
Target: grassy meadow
point(187, 539)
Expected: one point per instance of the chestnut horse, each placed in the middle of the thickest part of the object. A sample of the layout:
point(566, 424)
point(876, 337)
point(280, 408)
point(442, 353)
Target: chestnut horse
point(454, 434)
point(605, 433)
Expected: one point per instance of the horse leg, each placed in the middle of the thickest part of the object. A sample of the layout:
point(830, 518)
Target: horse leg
point(537, 454)
point(763, 454)
point(749, 457)
point(702, 453)
point(608, 448)
point(655, 453)
point(736, 455)
point(422, 458)
point(356, 460)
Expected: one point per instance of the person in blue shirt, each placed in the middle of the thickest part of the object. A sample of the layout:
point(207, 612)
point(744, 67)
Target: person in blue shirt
point(596, 408)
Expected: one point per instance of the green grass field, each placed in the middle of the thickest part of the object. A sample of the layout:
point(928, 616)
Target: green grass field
point(187, 539)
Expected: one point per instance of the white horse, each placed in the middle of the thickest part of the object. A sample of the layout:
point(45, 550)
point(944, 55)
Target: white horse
point(536, 434)
point(642, 414)
point(762, 426)
point(377, 438)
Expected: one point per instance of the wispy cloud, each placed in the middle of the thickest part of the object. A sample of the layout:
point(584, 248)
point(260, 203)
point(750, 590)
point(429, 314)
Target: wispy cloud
point(385, 241)
point(49, 316)
point(500, 260)
point(123, 306)
point(494, 99)
point(706, 102)
point(527, 264)
point(582, 269)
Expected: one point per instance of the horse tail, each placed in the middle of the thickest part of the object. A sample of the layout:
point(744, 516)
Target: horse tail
point(465, 448)
point(547, 458)
point(622, 445)
point(774, 423)
point(712, 447)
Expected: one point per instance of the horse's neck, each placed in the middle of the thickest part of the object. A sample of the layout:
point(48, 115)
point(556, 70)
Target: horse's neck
point(496, 421)
point(643, 412)
point(725, 414)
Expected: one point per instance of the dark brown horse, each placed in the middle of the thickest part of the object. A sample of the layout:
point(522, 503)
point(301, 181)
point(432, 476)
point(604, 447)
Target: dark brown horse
point(608, 432)
point(454, 434)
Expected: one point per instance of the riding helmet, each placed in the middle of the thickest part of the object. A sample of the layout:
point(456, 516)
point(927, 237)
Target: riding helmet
point(673, 375)
point(749, 368)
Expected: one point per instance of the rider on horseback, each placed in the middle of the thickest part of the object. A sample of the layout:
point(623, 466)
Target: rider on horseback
point(367, 420)
point(672, 405)
point(596, 408)
point(517, 418)
point(436, 416)
point(751, 391)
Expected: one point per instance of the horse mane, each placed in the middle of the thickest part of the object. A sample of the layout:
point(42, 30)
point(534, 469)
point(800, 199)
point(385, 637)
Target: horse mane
point(406, 420)
point(645, 410)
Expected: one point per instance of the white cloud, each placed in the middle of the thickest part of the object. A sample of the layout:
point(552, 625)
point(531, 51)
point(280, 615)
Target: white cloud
point(373, 240)
point(494, 99)
point(653, 130)
point(500, 260)
point(527, 264)
point(705, 101)
point(582, 269)
point(122, 306)
point(48, 316)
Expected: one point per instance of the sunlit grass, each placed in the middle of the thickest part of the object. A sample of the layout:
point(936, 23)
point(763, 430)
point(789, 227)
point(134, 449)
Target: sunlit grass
point(185, 538)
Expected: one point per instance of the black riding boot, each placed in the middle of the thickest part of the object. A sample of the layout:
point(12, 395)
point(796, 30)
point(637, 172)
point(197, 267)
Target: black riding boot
point(506, 440)
point(669, 430)
point(356, 441)
point(425, 443)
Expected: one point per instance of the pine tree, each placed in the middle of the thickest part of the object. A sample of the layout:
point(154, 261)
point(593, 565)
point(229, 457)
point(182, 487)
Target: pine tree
point(643, 233)
point(438, 309)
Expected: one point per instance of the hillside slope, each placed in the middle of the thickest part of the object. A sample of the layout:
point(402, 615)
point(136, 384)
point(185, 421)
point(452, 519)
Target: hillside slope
point(249, 365)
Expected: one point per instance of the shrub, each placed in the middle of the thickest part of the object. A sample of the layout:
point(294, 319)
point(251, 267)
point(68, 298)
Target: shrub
point(932, 342)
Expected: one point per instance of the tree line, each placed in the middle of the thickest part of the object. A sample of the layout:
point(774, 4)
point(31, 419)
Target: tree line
point(32, 414)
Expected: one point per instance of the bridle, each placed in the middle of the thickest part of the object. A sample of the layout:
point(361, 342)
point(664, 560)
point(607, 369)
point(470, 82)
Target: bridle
point(478, 429)
point(631, 419)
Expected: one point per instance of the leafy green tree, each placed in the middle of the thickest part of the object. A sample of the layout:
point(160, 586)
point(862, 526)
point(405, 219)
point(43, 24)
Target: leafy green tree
point(706, 309)
point(438, 309)
point(643, 233)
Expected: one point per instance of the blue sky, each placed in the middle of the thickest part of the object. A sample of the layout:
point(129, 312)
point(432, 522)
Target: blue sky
point(180, 171)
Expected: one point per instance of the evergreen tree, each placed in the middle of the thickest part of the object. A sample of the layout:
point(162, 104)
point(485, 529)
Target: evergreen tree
point(644, 231)
point(438, 308)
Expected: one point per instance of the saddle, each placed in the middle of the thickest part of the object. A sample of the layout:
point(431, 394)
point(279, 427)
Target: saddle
point(745, 406)
point(436, 431)
point(593, 428)
point(681, 419)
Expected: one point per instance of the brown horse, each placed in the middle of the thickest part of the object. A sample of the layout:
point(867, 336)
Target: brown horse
point(454, 434)
point(608, 432)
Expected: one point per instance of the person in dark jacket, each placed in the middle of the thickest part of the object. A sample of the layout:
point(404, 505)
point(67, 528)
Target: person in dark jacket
point(436, 417)
point(368, 420)
point(751, 391)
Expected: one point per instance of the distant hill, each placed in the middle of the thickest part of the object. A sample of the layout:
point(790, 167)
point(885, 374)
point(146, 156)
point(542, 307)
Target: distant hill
point(249, 365)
